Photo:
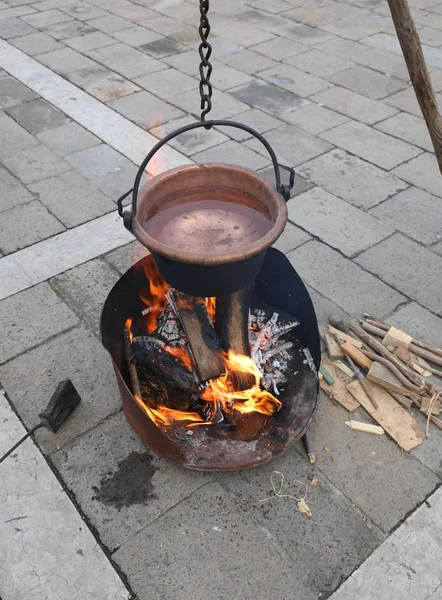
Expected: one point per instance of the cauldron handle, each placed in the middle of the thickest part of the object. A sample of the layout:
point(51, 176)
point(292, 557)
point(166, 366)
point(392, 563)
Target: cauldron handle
point(283, 189)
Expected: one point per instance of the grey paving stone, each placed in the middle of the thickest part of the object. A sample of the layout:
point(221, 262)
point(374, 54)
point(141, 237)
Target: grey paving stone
point(12, 192)
point(125, 257)
point(324, 308)
point(13, 138)
point(220, 47)
point(408, 267)
point(102, 83)
point(423, 172)
point(110, 23)
point(97, 161)
point(72, 199)
point(269, 98)
point(12, 92)
point(419, 323)
point(313, 545)
point(38, 115)
point(160, 23)
point(300, 185)
point(409, 128)
point(83, 11)
point(28, 319)
point(388, 63)
point(368, 82)
point(415, 212)
point(183, 61)
point(146, 110)
point(193, 141)
point(259, 18)
point(292, 145)
point(133, 12)
point(254, 118)
point(294, 80)
point(280, 48)
point(46, 17)
point(249, 61)
point(389, 43)
point(291, 238)
point(35, 164)
point(64, 31)
point(303, 34)
point(10, 28)
point(135, 36)
point(331, 275)
point(121, 500)
point(225, 77)
point(68, 138)
point(376, 147)
point(64, 61)
point(336, 222)
point(31, 379)
point(239, 542)
point(233, 153)
point(341, 47)
point(90, 41)
point(314, 118)
point(351, 178)
point(354, 105)
point(85, 289)
point(366, 469)
point(167, 83)
point(125, 60)
point(243, 34)
point(25, 225)
point(36, 43)
point(226, 104)
point(319, 63)
point(162, 47)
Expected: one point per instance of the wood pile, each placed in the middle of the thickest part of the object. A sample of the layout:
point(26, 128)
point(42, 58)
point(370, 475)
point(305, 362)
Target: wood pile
point(384, 370)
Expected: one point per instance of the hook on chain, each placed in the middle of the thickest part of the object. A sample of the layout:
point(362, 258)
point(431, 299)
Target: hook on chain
point(205, 51)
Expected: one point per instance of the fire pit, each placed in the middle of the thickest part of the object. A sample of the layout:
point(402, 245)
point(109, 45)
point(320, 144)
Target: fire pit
point(213, 336)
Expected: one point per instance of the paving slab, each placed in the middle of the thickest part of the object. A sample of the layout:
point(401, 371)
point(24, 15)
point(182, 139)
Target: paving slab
point(385, 62)
point(136, 36)
point(369, 470)
point(225, 77)
point(232, 152)
point(62, 557)
point(314, 118)
point(97, 161)
point(85, 288)
point(125, 60)
point(125, 257)
point(324, 308)
point(254, 118)
point(303, 34)
point(167, 83)
point(267, 97)
point(89, 41)
point(248, 61)
point(422, 172)
point(46, 17)
point(13, 27)
point(13, 138)
point(31, 379)
point(280, 48)
point(184, 62)
point(335, 222)
point(110, 23)
point(415, 212)
point(418, 322)
point(405, 101)
point(408, 127)
point(64, 61)
point(224, 105)
point(102, 83)
point(83, 11)
point(368, 82)
point(145, 109)
point(187, 538)
point(64, 31)
point(25, 225)
point(319, 63)
point(37, 115)
point(68, 138)
point(408, 267)
point(389, 43)
point(36, 43)
point(50, 316)
point(72, 198)
point(354, 105)
point(291, 238)
point(376, 147)
point(405, 560)
point(313, 545)
point(12, 92)
point(299, 186)
point(351, 178)
point(12, 192)
point(292, 145)
point(34, 164)
point(192, 141)
point(341, 47)
point(243, 34)
point(296, 81)
point(162, 47)
point(121, 486)
point(329, 273)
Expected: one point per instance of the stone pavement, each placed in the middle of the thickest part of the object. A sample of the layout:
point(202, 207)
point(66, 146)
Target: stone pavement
point(86, 88)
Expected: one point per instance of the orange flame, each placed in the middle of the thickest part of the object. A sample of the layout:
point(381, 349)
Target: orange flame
point(221, 390)
point(167, 416)
point(154, 297)
point(128, 325)
point(211, 308)
point(181, 354)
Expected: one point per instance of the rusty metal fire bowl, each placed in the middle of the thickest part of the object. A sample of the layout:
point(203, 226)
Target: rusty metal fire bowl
point(218, 447)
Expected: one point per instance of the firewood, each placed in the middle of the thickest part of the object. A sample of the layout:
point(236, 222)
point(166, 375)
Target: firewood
point(380, 374)
point(344, 368)
point(356, 354)
point(426, 403)
point(395, 337)
point(365, 427)
point(345, 337)
point(338, 390)
point(403, 400)
point(333, 348)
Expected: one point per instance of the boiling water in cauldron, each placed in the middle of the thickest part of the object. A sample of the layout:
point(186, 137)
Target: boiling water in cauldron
point(209, 226)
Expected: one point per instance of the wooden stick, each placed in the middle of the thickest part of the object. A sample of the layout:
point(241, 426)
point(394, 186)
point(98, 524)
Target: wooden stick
point(386, 327)
point(133, 375)
point(385, 361)
point(365, 427)
point(406, 402)
point(417, 69)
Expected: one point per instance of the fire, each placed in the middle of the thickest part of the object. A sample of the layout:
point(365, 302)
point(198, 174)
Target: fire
point(163, 416)
point(254, 399)
point(211, 308)
point(181, 354)
point(154, 297)
point(128, 325)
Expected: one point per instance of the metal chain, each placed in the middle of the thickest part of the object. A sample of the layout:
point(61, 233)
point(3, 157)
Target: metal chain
point(205, 50)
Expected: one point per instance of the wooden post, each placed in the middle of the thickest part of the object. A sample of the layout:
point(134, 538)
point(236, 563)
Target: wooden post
point(420, 78)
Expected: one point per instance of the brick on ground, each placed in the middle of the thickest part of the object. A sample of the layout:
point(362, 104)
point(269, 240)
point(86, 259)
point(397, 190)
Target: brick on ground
point(337, 278)
point(31, 379)
point(409, 267)
point(29, 318)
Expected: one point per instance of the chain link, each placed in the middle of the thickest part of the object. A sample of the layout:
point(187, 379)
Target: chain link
point(205, 51)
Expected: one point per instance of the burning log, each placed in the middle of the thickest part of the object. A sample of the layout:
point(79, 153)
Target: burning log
point(202, 338)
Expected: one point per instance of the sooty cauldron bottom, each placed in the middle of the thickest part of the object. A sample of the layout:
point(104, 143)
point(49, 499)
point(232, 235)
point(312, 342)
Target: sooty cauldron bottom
point(216, 447)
